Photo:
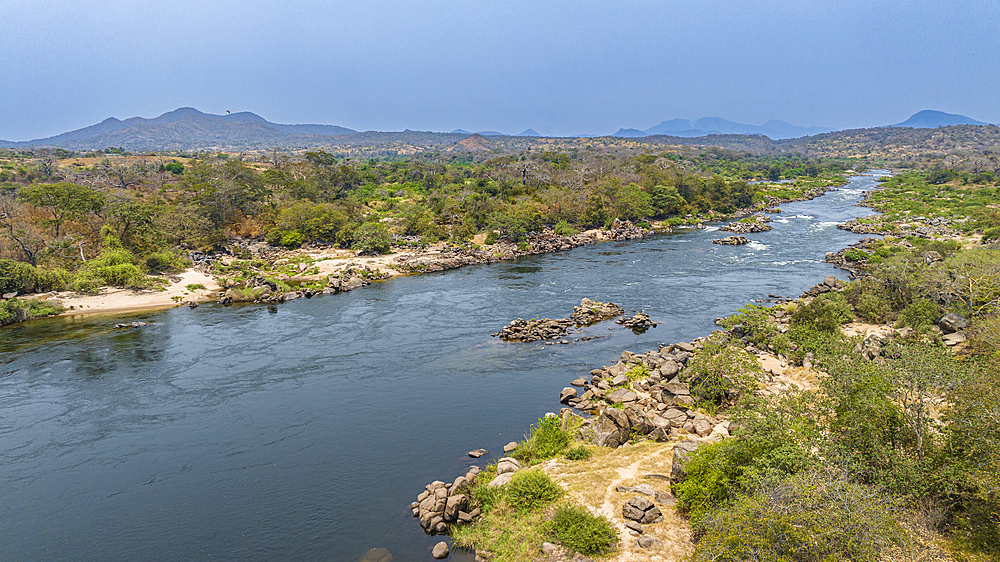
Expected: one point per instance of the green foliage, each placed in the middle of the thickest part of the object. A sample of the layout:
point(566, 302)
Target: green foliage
point(175, 168)
point(372, 238)
point(166, 261)
point(637, 372)
point(491, 238)
point(114, 266)
point(721, 371)
point(865, 295)
point(580, 531)
point(23, 278)
point(291, 240)
point(920, 315)
point(530, 490)
point(815, 516)
point(563, 228)
point(856, 255)
point(195, 287)
point(580, 453)
point(14, 310)
point(753, 323)
point(64, 201)
point(826, 313)
point(545, 441)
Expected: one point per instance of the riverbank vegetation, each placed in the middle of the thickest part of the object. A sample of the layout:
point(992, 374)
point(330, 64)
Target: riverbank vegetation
point(82, 221)
point(900, 442)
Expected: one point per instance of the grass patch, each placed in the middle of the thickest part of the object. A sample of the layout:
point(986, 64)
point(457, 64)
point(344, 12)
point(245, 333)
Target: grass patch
point(545, 441)
point(195, 287)
point(580, 453)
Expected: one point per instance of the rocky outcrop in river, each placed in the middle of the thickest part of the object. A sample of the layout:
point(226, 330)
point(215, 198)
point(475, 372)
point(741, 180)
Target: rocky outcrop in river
point(754, 224)
point(589, 312)
point(731, 241)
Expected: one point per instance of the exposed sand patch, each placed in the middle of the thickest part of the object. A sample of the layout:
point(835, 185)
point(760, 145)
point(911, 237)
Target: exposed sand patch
point(120, 300)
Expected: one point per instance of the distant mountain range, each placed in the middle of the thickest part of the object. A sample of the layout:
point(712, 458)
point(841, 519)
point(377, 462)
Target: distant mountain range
point(186, 129)
point(705, 126)
point(189, 129)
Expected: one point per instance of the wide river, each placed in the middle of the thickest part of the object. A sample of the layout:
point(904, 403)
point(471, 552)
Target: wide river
point(304, 431)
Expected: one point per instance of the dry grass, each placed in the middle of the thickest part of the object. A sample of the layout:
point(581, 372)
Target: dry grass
point(592, 483)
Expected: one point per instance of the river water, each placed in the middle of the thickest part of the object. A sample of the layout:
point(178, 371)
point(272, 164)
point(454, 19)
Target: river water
point(303, 432)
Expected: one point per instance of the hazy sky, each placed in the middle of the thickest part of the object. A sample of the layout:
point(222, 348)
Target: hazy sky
point(559, 67)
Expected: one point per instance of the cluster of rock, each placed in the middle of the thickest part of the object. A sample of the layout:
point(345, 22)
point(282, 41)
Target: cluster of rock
point(758, 223)
point(920, 227)
point(441, 504)
point(830, 283)
point(546, 241)
point(135, 324)
point(638, 323)
point(587, 313)
point(652, 406)
point(731, 241)
point(591, 312)
point(351, 279)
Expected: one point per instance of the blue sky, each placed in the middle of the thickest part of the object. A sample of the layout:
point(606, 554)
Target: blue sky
point(559, 67)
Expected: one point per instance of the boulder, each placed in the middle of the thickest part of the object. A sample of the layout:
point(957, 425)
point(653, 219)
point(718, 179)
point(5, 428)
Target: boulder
point(376, 555)
point(641, 510)
point(440, 550)
point(731, 241)
point(621, 395)
point(612, 428)
point(930, 257)
point(638, 420)
point(507, 464)
point(455, 504)
point(951, 323)
point(682, 452)
point(632, 525)
point(669, 369)
point(646, 542)
point(579, 382)
point(478, 453)
point(500, 480)
point(566, 395)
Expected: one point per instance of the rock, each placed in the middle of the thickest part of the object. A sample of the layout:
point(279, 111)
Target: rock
point(647, 542)
point(547, 547)
point(500, 480)
point(565, 396)
point(669, 369)
point(507, 464)
point(830, 281)
point(376, 555)
point(612, 428)
point(453, 506)
point(638, 323)
point(635, 527)
point(930, 257)
point(660, 435)
point(951, 322)
point(638, 420)
point(460, 482)
point(579, 382)
point(619, 380)
point(464, 518)
point(534, 330)
point(731, 241)
point(621, 395)
point(478, 453)
point(644, 489)
point(807, 360)
point(641, 510)
point(590, 312)
point(953, 339)
point(440, 550)
point(677, 418)
point(665, 498)
point(510, 447)
point(8, 296)
point(682, 452)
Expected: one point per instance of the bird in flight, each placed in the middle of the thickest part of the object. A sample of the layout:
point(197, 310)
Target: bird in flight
point(227, 111)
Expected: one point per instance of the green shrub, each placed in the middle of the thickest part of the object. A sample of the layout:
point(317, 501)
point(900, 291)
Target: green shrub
point(492, 237)
point(114, 266)
point(721, 371)
point(195, 287)
point(580, 531)
point(855, 255)
point(372, 238)
point(826, 312)
point(637, 372)
point(530, 490)
point(816, 516)
point(545, 441)
point(14, 310)
point(580, 453)
point(291, 240)
point(920, 315)
point(166, 262)
point(17, 276)
point(563, 228)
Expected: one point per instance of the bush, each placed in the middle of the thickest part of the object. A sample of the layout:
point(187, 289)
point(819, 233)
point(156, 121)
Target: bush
point(166, 262)
point(855, 255)
point(817, 516)
point(826, 312)
point(721, 371)
point(530, 490)
point(563, 228)
point(114, 266)
point(14, 310)
point(580, 453)
point(920, 315)
point(23, 278)
point(492, 237)
point(576, 529)
point(291, 240)
point(372, 239)
point(545, 441)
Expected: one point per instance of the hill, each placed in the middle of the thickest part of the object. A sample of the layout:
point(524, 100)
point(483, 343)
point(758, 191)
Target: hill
point(929, 119)
point(706, 126)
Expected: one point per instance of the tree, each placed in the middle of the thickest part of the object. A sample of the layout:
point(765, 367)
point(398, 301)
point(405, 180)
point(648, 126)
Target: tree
point(17, 226)
point(65, 201)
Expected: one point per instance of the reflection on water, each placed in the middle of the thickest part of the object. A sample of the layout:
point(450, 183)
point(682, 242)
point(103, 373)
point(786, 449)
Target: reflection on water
point(303, 432)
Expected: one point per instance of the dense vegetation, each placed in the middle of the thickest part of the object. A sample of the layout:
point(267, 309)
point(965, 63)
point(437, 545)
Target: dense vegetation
point(903, 436)
point(81, 221)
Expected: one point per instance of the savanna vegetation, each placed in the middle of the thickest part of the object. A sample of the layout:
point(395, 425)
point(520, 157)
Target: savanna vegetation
point(900, 443)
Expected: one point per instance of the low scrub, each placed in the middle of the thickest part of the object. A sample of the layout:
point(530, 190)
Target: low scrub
point(24, 278)
point(578, 530)
point(14, 310)
point(545, 441)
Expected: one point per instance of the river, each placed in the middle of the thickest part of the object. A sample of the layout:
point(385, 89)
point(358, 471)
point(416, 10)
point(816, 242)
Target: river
point(303, 431)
